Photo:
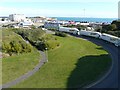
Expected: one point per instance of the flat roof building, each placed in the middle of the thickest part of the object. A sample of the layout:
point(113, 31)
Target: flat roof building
point(51, 25)
point(17, 17)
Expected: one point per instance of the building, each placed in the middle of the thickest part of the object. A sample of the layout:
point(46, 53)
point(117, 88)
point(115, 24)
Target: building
point(51, 19)
point(84, 23)
point(4, 20)
point(72, 22)
point(25, 24)
point(38, 19)
point(51, 25)
point(17, 17)
point(63, 22)
point(119, 10)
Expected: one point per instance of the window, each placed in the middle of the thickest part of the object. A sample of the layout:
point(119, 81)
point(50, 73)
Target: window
point(93, 33)
point(113, 39)
point(71, 30)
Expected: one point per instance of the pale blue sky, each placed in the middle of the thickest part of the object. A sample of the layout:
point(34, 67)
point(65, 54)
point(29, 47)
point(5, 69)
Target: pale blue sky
point(71, 8)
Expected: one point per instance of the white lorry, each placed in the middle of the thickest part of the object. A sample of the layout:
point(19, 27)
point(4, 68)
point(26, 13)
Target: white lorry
point(69, 30)
point(90, 33)
point(110, 38)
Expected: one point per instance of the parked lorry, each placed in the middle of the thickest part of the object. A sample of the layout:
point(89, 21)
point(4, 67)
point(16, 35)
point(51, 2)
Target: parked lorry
point(69, 30)
point(110, 38)
point(90, 33)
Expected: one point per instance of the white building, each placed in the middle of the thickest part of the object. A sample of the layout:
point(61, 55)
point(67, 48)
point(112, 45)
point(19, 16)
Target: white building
point(84, 24)
point(17, 17)
point(25, 24)
point(63, 22)
point(4, 20)
point(51, 25)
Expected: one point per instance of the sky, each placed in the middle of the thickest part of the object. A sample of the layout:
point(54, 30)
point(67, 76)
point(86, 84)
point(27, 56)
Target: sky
point(61, 8)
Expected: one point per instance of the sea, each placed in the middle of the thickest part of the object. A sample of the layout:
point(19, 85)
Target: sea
point(80, 19)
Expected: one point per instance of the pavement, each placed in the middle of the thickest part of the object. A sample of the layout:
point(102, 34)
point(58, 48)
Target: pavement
point(28, 74)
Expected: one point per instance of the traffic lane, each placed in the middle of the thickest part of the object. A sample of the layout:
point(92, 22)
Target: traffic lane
point(111, 81)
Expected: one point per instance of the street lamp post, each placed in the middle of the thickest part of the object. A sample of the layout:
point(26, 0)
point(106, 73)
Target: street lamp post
point(46, 55)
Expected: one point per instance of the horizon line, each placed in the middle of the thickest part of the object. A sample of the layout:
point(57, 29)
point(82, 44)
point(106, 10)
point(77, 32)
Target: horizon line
point(63, 16)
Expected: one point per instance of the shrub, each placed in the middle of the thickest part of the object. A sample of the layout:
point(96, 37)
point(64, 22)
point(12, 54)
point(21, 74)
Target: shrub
point(33, 27)
point(53, 29)
point(51, 44)
point(61, 34)
point(16, 47)
point(36, 38)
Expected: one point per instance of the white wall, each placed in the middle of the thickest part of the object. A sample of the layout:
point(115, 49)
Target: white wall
point(17, 17)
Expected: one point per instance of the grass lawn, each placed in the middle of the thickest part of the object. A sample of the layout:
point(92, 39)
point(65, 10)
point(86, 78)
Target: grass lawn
point(17, 65)
point(75, 63)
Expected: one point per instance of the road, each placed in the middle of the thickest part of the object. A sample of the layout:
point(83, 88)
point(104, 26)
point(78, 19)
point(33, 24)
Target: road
point(110, 79)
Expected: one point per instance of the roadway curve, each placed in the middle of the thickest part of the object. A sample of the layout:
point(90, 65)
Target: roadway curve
point(110, 79)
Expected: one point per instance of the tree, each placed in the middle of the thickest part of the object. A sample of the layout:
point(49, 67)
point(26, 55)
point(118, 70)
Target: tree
point(33, 27)
point(113, 26)
point(98, 29)
point(117, 23)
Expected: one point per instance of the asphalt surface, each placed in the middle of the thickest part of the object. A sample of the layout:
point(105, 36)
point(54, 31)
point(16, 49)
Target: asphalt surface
point(110, 79)
point(28, 74)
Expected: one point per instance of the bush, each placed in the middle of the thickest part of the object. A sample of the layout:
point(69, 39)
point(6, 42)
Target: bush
point(36, 38)
point(16, 47)
point(61, 34)
point(49, 42)
point(115, 33)
point(52, 44)
point(33, 27)
point(53, 29)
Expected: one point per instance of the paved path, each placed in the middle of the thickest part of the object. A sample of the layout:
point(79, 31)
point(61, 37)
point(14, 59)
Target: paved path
point(28, 74)
point(110, 79)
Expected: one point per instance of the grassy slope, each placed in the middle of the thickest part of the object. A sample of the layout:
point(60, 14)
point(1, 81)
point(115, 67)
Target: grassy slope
point(68, 67)
point(15, 66)
point(8, 36)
